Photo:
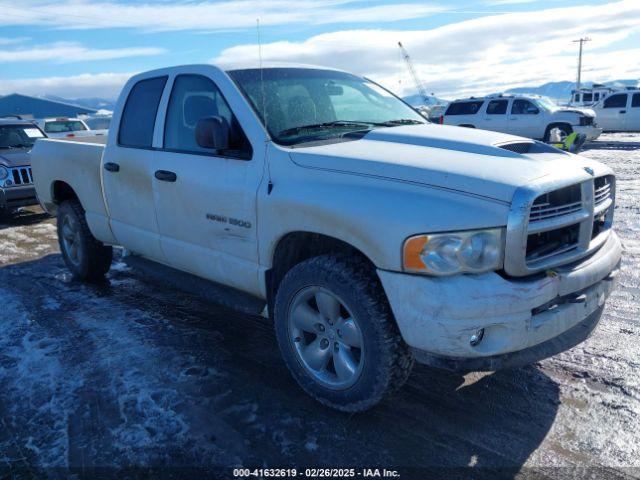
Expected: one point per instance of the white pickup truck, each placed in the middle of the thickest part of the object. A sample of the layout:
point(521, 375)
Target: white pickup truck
point(368, 235)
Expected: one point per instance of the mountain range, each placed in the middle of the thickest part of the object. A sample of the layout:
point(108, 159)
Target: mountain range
point(558, 91)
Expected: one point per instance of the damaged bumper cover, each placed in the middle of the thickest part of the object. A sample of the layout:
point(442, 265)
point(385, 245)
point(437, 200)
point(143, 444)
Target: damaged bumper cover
point(518, 321)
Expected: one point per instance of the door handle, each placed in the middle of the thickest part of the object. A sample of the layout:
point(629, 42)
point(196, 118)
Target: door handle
point(111, 167)
point(166, 176)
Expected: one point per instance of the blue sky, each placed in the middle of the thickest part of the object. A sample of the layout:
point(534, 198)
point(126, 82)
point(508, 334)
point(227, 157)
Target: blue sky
point(88, 48)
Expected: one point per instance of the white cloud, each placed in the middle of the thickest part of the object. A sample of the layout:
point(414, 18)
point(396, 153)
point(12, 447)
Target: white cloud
point(105, 85)
point(202, 15)
point(474, 56)
point(11, 41)
point(65, 52)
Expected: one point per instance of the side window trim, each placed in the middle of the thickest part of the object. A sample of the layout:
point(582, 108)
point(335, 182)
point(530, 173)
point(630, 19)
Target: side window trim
point(216, 154)
point(155, 116)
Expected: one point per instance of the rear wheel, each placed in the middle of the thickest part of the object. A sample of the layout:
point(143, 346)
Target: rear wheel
point(84, 255)
point(337, 334)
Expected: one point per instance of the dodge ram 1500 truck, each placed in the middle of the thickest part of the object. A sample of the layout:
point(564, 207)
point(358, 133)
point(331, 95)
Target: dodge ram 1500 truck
point(369, 236)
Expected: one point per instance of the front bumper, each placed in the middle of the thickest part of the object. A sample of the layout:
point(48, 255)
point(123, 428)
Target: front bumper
point(437, 316)
point(15, 197)
point(591, 131)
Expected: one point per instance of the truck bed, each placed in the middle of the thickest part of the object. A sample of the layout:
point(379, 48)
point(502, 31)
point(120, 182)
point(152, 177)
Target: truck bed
point(75, 163)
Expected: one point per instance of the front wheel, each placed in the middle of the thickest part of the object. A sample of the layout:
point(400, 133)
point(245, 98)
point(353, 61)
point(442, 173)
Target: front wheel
point(337, 334)
point(565, 131)
point(84, 255)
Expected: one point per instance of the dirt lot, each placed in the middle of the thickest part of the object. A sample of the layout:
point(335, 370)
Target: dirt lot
point(131, 374)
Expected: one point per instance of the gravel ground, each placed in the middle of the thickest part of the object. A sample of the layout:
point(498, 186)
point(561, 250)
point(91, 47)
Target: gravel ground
point(133, 375)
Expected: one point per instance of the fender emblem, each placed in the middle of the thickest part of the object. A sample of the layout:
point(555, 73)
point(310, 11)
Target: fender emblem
point(589, 170)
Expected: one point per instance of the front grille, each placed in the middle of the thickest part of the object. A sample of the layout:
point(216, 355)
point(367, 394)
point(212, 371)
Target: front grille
point(551, 228)
point(22, 176)
point(556, 204)
point(601, 190)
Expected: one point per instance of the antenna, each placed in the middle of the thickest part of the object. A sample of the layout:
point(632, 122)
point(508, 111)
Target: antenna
point(262, 92)
point(264, 111)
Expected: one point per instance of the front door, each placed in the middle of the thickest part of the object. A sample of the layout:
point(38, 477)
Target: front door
point(525, 119)
point(633, 119)
point(613, 113)
point(127, 171)
point(206, 199)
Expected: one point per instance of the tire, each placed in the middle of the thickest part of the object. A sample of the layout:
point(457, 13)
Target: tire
point(566, 130)
point(86, 257)
point(382, 363)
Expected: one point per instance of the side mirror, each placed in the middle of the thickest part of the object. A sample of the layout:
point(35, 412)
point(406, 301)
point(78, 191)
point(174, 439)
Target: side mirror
point(213, 132)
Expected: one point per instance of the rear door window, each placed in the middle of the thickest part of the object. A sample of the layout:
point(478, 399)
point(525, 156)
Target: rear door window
point(139, 115)
point(464, 108)
point(635, 102)
point(497, 107)
point(619, 100)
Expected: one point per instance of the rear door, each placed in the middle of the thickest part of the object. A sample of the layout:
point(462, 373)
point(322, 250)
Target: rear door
point(495, 115)
point(207, 209)
point(525, 119)
point(613, 113)
point(127, 171)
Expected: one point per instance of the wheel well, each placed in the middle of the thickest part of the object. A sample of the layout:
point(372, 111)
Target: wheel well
point(62, 191)
point(297, 247)
point(558, 125)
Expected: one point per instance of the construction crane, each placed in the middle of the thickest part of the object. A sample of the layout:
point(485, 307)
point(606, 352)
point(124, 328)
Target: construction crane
point(421, 90)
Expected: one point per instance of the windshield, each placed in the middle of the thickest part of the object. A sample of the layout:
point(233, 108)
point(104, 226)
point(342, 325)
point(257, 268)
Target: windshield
point(98, 123)
point(19, 136)
point(546, 103)
point(305, 105)
point(59, 126)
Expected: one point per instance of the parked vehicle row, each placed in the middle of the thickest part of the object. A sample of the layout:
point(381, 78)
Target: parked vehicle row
point(371, 237)
point(525, 115)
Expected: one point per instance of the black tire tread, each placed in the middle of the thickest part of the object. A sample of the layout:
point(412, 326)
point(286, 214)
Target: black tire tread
point(397, 360)
point(99, 255)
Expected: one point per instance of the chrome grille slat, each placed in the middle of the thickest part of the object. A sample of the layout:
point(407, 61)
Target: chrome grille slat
point(21, 176)
point(554, 223)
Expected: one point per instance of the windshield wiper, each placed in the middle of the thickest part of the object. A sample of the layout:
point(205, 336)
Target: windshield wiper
point(321, 126)
point(401, 121)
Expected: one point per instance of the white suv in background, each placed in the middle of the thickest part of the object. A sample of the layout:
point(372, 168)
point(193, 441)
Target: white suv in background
point(525, 115)
point(620, 112)
point(63, 127)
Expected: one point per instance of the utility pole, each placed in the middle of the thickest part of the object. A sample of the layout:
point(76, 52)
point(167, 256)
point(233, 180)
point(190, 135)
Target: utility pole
point(581, 41)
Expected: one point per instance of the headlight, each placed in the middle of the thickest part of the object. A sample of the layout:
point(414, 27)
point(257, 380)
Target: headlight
point(472, 251)
point(4, 173)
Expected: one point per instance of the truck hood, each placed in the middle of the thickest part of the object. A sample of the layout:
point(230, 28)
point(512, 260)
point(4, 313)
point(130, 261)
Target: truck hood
point(15, 158)
point(464, 160)
point(588, 112)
